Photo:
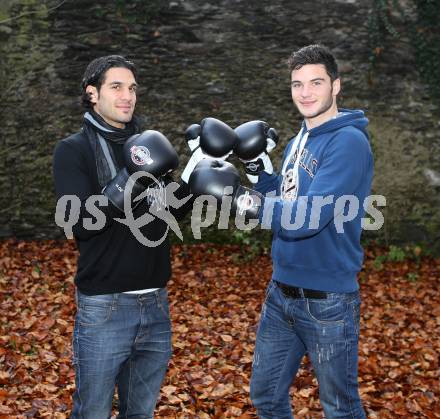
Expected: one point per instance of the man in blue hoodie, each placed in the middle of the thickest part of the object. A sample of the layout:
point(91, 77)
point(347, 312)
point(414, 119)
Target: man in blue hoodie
point(315, 208)
point(312, 302)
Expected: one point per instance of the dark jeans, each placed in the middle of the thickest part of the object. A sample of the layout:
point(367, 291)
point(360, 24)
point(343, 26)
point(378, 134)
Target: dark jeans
point(123, 340)
point(328, 331)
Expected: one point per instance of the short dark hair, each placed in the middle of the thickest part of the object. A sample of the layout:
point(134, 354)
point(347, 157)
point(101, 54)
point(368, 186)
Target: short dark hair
point(95, 74)
point(314, 54)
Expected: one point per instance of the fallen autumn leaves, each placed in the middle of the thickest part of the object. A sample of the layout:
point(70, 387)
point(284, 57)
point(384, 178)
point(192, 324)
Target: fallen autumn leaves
point(215, 304)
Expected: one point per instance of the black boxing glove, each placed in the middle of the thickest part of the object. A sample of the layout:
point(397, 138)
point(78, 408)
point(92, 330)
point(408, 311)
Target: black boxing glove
point(114, 190)
point(255, 141)
point(150, 153)
point(211, 139)
point(211, 177)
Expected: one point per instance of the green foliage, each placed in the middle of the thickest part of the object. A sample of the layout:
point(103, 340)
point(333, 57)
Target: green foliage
point(412, 276)
point(426, 39)
point(420, 24)
point(252, 245)
point(398, 254)
point(380, 27)
point(379, 261)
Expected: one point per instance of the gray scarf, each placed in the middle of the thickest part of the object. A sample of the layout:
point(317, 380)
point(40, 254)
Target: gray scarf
point(100, 133)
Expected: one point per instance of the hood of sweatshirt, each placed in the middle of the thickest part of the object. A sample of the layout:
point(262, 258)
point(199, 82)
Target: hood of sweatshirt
point(346, 117)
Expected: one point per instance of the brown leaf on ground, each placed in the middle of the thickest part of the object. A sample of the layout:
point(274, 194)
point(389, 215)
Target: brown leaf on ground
point(215, 304)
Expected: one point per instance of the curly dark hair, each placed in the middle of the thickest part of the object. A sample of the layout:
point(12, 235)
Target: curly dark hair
point(314, 54)
point(95, 74)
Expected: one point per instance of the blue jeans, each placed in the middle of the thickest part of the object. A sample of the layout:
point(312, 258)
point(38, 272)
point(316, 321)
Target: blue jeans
point(123, 340)
point(328, 331)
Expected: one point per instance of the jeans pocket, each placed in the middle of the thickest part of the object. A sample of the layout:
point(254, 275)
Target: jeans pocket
point(330, 311)
point(95, 314)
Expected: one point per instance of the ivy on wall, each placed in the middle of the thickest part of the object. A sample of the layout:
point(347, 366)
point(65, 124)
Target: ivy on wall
point(380, 28)
point(417, 20)
point(426, 36)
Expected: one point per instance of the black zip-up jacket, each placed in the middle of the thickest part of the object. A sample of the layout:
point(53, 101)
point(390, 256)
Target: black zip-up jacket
point(111, 260)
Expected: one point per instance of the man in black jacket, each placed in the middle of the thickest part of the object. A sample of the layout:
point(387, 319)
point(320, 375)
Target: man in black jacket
point(122, 333)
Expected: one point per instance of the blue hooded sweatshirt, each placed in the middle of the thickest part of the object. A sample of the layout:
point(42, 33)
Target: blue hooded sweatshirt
point(316, 237)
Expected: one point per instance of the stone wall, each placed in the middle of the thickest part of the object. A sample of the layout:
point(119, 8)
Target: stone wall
point(225, 59)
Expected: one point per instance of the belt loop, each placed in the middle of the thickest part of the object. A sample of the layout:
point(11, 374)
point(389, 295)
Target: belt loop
point(115, 301)
point(158, 296)
point(301, 293)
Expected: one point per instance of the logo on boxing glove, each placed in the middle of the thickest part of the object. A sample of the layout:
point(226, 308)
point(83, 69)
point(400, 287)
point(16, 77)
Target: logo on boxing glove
point(140, 155)
point(254, 167)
